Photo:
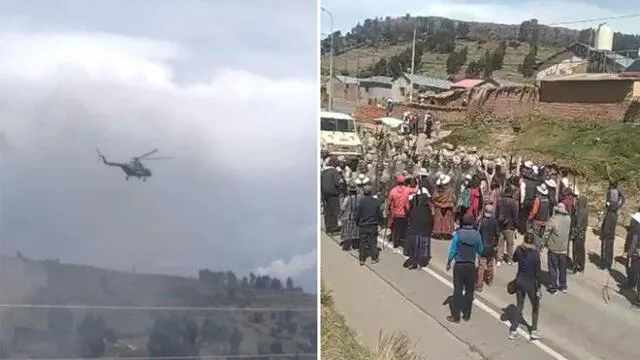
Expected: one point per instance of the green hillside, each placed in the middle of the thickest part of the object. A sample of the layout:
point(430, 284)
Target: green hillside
point(383, 47)
point(121, 332)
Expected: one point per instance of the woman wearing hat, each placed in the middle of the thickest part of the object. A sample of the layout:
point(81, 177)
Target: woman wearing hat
point(443, 205)
point(349, 237)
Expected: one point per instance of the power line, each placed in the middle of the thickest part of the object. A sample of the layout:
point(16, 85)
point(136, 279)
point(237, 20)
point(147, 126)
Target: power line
point(155, 308)
point(569, 22)
point(239, 356)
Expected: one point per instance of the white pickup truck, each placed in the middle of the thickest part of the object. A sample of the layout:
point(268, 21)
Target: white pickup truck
point(338, 136)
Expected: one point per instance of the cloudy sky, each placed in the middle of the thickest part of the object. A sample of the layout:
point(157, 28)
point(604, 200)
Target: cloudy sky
point(347, 13)
point(225, 87)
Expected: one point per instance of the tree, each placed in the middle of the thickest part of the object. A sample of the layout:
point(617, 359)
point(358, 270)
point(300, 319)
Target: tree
point(475, 68)
point(487, 70)
point(462, 30)
point(456, 60)
point(60, 321)
point(497, 58)
point(234, 341)
point(276, 284)
point(276, 347)
point(92, 334)
point(529, 62)
point(173, 336)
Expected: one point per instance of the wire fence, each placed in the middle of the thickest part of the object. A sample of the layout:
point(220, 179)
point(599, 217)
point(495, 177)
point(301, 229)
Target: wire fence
point(157, 308)
point(197, 357)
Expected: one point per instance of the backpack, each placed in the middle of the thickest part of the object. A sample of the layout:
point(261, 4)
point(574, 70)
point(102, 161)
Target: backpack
point(465, 199)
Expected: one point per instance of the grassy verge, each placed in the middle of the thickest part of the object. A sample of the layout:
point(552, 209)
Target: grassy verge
point(596, 151)
point(339, 342)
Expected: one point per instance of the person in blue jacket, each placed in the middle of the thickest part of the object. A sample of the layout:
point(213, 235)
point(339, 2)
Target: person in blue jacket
point(466, 246)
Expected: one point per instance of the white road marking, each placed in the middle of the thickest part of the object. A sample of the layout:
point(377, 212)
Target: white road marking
point(480, 304)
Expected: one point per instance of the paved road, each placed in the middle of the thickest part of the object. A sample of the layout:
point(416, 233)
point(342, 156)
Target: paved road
point(577, 325)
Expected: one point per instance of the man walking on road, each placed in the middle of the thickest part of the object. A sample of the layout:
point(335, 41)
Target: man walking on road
point(633, 269)
point(490, 232)
point(526, 284)
point(614, 201)
point(579, 224)
point(368, 215)
point(466, 244)
point(507, 215)
point(556, 240)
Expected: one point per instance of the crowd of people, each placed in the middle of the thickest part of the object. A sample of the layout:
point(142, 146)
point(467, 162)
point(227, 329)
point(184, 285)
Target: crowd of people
point(482, 206)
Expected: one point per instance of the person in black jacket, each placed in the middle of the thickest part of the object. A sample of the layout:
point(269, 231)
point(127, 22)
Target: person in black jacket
point(490, 232)
point(632, 248)
point(507, 215)
point(331, 184)
point(368, 216)
point(420, 227)
point(578, 235)
point(527, 283)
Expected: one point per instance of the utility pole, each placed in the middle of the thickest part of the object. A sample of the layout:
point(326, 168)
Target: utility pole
point(413, 62)
point(330, 61)
point(588, 65)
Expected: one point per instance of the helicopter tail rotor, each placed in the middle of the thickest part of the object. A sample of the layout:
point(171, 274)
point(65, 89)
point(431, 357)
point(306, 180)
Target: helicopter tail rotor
point(100, 156)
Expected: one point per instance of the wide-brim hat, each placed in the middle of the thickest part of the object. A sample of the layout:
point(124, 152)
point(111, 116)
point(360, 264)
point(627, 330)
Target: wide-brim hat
point(528, 164)
point(423, 172)
point(551, 183)
point(444, 179)
point(560, 208)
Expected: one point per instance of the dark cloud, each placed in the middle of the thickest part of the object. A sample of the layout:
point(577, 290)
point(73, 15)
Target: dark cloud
point(240, 191)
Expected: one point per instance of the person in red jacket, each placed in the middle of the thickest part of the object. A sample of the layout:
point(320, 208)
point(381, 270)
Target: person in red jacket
point(398, 201)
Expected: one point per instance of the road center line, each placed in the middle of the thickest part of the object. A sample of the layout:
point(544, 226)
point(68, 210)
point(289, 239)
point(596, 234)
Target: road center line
point(556, 355)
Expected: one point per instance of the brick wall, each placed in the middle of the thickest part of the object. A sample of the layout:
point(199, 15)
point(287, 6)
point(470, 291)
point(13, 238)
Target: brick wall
point(512, 102)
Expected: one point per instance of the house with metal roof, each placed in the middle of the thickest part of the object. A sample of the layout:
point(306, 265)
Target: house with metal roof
point(401, 86)
point(591, 88)
point(581, 58)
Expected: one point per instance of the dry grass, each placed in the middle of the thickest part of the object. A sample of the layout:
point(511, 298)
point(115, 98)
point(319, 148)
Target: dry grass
point(434, 64)
point(339, 342)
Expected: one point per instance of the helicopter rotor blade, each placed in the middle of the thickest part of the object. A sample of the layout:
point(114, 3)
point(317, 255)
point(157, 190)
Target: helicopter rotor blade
point(158, 158)
point(147, 154)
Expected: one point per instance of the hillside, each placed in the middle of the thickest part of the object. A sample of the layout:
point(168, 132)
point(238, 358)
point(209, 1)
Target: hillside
point(383, 46)
point(108, 332)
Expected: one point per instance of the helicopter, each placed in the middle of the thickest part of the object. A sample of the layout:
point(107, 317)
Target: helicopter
point(133, 168)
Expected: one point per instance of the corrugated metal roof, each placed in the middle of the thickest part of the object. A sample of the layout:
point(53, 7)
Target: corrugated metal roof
point(621, 60)
point(635, 66)
point(378, 79)
point(428, 81)
point(348, 79)
point(467, 83)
